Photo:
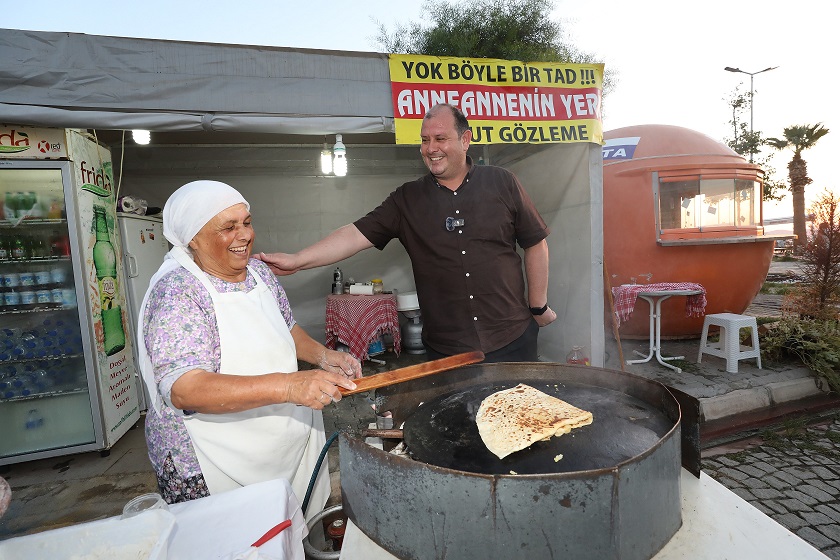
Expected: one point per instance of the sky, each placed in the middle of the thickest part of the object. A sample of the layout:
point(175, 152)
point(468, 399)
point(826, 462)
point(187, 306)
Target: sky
point(668, 56)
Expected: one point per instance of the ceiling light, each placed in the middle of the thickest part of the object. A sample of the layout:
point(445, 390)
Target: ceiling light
point(339, 157)
point(326, 160)
point(141, 136)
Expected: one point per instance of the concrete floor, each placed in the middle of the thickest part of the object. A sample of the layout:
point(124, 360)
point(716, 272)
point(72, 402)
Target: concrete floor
point(51, 493)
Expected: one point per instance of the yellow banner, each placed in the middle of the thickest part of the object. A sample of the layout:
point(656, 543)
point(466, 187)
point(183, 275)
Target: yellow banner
point(506, 101)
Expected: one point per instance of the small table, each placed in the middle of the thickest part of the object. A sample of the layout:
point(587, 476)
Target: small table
point(655, 295)
point(358, 320)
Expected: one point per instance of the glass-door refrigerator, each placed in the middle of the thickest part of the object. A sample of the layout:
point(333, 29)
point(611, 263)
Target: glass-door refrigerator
point(67, 373)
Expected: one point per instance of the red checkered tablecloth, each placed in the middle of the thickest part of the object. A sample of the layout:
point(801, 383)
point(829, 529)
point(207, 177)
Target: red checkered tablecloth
point(625, 297)
point(357, 320)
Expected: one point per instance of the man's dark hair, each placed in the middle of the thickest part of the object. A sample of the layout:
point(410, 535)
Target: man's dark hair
point(461, 123)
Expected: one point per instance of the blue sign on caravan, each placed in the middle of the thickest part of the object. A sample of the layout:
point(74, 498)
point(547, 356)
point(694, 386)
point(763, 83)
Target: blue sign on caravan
point(620, 148)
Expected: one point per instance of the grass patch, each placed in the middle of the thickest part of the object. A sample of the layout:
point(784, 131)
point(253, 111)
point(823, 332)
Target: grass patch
point(833, 436)
point(776, 288)
point(794, 433)
point(685, 365)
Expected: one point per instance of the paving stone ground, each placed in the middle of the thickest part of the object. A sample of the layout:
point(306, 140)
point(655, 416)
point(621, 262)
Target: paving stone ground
point(792, 475)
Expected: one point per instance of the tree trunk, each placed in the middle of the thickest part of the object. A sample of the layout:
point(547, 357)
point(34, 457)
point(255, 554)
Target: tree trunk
point(799, 229)
point(798, 175)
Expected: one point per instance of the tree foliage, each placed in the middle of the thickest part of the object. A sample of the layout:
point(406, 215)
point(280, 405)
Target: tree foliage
point(798, 138)
point(821, 255)
point(504, 29)
point(749, 143)
point(810, 331)
point(814, 342)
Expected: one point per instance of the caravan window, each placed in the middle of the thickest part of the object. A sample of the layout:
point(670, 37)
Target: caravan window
point(704, 203)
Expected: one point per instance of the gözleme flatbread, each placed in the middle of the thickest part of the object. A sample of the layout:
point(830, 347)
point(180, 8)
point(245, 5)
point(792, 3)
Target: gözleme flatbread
point(513, 419)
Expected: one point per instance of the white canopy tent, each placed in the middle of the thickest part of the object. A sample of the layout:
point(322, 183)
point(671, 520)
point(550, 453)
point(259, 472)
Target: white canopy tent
point(257, 118)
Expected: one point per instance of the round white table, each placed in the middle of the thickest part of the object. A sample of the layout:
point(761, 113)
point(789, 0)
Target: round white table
point(655, 299)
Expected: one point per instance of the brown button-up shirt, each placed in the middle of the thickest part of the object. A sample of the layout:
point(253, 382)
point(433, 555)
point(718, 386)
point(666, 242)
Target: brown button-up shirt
point(469, 278)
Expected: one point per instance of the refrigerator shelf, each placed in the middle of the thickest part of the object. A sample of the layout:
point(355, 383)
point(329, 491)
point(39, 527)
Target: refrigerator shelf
point(41, 359)
point(31, 222)
point(45, 394)
point(42, 307)
point(37, 260)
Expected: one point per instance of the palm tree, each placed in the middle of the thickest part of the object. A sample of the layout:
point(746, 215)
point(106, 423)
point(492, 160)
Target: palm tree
point(799, 138)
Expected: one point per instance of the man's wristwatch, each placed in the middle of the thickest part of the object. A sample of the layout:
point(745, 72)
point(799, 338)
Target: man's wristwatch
point(539, 310)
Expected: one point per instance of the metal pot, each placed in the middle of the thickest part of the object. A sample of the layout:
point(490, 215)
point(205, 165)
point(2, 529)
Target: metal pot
point(418, 510)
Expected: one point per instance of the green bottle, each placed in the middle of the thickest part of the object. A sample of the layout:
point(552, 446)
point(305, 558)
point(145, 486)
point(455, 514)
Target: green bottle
point(5, 250)
point(20, 248)
point(105, 262)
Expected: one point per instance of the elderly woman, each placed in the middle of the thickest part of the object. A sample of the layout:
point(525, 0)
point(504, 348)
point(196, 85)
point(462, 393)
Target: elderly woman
point(219, 352)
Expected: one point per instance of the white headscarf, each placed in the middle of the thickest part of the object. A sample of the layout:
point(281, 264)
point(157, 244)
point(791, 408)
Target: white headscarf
point(184, 214)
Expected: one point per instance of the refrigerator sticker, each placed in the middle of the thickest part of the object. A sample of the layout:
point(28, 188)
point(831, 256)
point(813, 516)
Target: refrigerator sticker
point(32, 143)
point(103, 267)
point(97, 181)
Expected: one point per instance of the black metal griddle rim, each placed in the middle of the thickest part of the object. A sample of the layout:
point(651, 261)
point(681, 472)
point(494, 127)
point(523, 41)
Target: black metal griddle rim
point(593, 473)
point(665, 390)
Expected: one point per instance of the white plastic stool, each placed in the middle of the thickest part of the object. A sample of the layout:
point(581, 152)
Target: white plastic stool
point(729, 345)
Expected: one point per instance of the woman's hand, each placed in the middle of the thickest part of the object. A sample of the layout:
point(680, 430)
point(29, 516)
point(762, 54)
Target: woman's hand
point(216, 393)
point(340, 362)
point(316, 388)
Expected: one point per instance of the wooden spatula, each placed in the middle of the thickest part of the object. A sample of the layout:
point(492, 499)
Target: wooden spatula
point(413, 372)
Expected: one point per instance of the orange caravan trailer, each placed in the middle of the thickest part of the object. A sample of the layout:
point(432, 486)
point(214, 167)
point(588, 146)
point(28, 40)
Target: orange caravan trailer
point(682, 207)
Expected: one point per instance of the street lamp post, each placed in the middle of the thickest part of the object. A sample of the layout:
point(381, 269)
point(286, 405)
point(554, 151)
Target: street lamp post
point(750, 74)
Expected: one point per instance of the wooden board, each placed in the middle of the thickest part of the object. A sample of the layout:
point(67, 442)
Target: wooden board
point(395, 376)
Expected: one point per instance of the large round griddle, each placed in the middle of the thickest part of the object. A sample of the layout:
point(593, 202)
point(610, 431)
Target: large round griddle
point(443, 432)
point(619, 497)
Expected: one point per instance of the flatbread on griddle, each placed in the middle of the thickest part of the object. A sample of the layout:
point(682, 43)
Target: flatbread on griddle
point(511, 420)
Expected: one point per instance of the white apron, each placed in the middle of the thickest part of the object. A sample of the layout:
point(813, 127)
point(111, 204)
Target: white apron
point(276, 441)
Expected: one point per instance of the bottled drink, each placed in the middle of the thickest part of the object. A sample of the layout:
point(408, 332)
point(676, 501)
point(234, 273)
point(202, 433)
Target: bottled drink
point(12, 299)
point(34, 420)
point(59, 244)
point(20, 250)
point(5, 253)
point(43, 379)
point(56, 207)
point(27, 204)
point(577, 356)
point(11, 332)
point(11, 205)
point(105, 262)
point(39, 248)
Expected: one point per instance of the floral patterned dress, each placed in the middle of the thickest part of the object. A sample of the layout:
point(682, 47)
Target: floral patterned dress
point(181, 334)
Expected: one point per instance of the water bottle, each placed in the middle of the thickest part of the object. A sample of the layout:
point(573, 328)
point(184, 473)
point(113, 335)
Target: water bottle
point(11, 332)
point(23, 381)
point(7, 342)
point(43, 379)
point(34, 420)
point(6, 385)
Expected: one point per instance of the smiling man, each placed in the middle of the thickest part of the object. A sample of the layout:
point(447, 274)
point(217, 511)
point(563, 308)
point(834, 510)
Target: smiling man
point(460, 225)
